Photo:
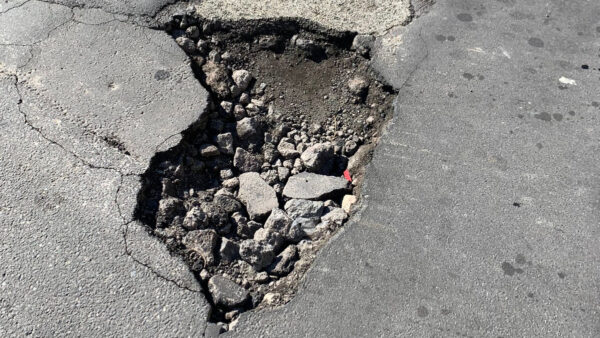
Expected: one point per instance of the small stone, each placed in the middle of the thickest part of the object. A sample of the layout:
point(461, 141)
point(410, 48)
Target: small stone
point(269, 236)
point(272, 298)
point(248, 128)
point(287, 149)
point(229, 250)
point(350, 148)
point(195, 219)
point(318, 158)
point(244, 161)
point(168, 208)
point(261, 277)
point(283, 173)
point(226, 293)
point(278, 221)
point(312, 186)
point(370, 120)
point(270, 176)
point(202, 46)
point(335, 216)
point(217, 78)
point(242, 80)
point(358, 86)
point(192, 32)
point(239, 112)
point(258, 197)
point(226, 174)
point(204, 243)
point(186, 44)
point(307, 225)
point(347, 203)
point(225, 143)
point(244, 98)
point(252, 109)
point(214, 56)
point(231, 183)
point(284, 262)
point(204, 275)
point(257, 254)
point(363, 43)
point(303, 208)
point(269, 152)
point(227, 204)
point(209, 150)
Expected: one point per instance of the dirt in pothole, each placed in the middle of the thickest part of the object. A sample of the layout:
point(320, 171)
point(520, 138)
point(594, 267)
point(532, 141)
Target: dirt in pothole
point(273, 169)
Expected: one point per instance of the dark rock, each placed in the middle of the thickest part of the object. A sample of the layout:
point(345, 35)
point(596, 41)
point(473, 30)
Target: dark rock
point(204, 243)
point(284, 262)
point(257, 254)
point(168, 208)
point(226, 293)
point(245, 161)
point(229, 250)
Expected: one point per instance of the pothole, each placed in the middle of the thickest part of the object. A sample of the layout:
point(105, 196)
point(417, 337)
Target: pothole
point(255, 189)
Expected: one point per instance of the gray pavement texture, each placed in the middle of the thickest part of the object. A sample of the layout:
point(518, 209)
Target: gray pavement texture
point(480, 214)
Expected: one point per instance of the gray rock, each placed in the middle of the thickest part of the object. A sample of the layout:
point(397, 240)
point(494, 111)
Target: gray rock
point(227, 204)
point(258, 197)
point(229, 250)
point(270, 176)
point(350, 147)
point(208, 150)
point(363, 43)
point(217, 78)
point(318, 158)
point(284, 262)
point(231, 183)
point(312, 186)
point(186, 44)
point(239, 112)
point(195, 219)
point(226, 293)
point(204, 243)
point(283, 173)
point(278, 221)
point(248, 128)
point(358, 86)
point(168, 208)
point(227, 107)
point(335, 216)
point(269, 152)
point(225, 143)
point(192, 32)
point(244, 161)
point(303, 208)
point(244, 98)
point(256, 254)
point(269, 236)
point(242, 79)
point(308, 226)
point(287, 149)
point(226, 174)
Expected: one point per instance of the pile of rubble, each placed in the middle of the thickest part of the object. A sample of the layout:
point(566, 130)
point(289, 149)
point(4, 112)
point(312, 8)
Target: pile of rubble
point(253, 192)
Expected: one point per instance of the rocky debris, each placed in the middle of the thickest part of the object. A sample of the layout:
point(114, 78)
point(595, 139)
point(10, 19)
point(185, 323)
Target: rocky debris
point(284, 262)
point(254, 190)
point(257, 254)
point(258, 197)
point(312, 186)
point(245, 161)
point(318, 158)
point(204, 243)
point(348, 202)
point(226, 293)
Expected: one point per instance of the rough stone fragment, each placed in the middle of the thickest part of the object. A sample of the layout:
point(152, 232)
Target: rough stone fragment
point(186, 44)
point(204, 243)
point(227, 204)
point(195, 219)
point(208, 150)
point(244, 161)
point(258, 197)
point(269, 236)
point(318, 158)
point(242, 79)
point(363, 43)
point(284, 262)
point(287, 149)
point(168, 208)
point(347, 203)
point(308, 225)
point(257, 254)
point(231, 183)
point(283, 173)
point(303, 208)
point(278, 221)
point(226, 293)
point(229, 250)
point(248, 128)
point(217, 78)
point(239, 112)
point(358, 86)
point(225, 143)
point(335, 216)
point(314, 186)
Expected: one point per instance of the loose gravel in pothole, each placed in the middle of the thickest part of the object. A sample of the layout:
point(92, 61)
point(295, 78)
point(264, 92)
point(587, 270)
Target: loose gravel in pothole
point(258, 186)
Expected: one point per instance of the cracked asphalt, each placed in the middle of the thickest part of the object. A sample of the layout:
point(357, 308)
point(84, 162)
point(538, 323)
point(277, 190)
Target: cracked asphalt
point(480, 214)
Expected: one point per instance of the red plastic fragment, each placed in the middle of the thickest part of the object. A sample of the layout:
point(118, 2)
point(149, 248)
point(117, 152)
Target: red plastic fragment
point(347, 175)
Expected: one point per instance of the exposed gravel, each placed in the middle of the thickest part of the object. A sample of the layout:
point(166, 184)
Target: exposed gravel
point(251, 193)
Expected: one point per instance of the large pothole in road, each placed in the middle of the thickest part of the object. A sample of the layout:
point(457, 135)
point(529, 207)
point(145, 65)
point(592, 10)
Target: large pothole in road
point(255, 189)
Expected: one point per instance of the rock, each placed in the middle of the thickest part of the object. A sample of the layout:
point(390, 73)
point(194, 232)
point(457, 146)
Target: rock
point(231, 183)
point(195, 219)
point(226, 174)
point(347, 203)
point(269, 236)
point(269, 152)
point(258, 255)
point(272, 298)
point(186, 44)
point(239, 112)
point(244, 99)
point(227, 204)
point(302, 208)
point(225, 143)
point(283, 173)
point(278, 221)
point(214, 56)
point(217, 78)
point(227, 107)
point(204, 243)
point(359, 159)
point(284, 262)
point(252, 109)
point(307, 225)
point(226, 293)
point(350, 147)
point(312, 186)
point(318, 158)
point(168, 208)
point(287, 149)
point(363, 43)
point(248, 128)
point(229, 250)
point(335, 216)
point(242, 79)
point(258, 197)
point(208, 150)
point(358, 86)
point(244, 161)
point(261, 277)
point(192, 32)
